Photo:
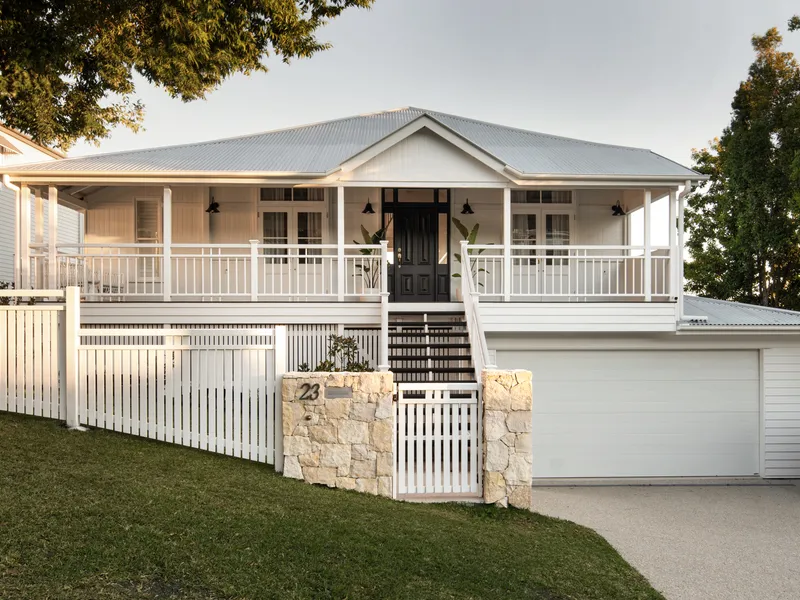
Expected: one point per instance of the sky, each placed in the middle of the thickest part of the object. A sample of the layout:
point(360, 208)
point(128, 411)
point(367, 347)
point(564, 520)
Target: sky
point(659, 75)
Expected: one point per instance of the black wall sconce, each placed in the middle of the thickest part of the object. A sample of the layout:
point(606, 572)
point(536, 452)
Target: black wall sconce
point(213, 207)
point(368, 210)
point(617, 210)
point(467, 209)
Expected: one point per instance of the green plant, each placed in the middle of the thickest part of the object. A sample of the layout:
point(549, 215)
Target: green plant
point(470, 236)
point(6, 300)
point(370, 271)
point(342, 356)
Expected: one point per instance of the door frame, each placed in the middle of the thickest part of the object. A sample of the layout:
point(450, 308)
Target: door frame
point(442, 274)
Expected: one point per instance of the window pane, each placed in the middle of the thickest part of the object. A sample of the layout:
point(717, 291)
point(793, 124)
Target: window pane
point(523, 233)
point(525, 196)
point(309, 194)
point(276, 194)
point(276, 231)
point(309, 231)
point(557, 230)
point(557, 197)
point(443, 242)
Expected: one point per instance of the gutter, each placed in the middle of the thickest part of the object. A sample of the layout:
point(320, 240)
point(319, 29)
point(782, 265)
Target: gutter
point(737, 329)
point(602, 177)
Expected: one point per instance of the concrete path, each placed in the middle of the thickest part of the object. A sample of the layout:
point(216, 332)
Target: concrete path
point(695, 542)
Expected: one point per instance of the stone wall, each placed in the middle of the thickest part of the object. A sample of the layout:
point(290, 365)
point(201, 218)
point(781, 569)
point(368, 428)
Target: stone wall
point(338, 430)
point(507, 450)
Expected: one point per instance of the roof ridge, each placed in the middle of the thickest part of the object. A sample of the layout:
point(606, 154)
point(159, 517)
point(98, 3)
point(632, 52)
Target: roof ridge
point(532, 132)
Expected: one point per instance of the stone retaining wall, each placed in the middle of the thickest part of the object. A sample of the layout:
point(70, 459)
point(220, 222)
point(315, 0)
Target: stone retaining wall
point(507, 449)
point(338, 430)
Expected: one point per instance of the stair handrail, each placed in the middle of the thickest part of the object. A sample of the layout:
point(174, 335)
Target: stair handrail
point(477, 337)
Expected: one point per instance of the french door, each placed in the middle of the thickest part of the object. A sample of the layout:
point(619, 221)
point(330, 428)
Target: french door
point(301, 270)
point(542, 272)
point(148, 231)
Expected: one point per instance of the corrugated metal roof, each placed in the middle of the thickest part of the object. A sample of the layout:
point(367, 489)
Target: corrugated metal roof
point(733, 314)
point(322, 147)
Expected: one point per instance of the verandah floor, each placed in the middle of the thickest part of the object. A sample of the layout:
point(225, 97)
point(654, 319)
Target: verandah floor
point(103, 515)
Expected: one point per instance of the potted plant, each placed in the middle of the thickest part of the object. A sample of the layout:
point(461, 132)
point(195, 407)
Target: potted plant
point(370, 270)
point(471, 237)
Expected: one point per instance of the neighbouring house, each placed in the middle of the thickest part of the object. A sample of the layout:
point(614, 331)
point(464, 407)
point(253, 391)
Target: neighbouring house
point(16, 149)
point(631, 378)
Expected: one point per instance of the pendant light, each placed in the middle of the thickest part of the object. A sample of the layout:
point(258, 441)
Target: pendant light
point(467, 209)
point(213, 207)
point(368, 210)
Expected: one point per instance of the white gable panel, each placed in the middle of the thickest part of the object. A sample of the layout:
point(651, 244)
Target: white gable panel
point(424, 157)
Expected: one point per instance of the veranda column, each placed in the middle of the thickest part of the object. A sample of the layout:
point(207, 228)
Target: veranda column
point(166, 218)
point(673, 251)
point(52, 237)
point(507, 244)
point(340, 266)
point(679, 270)
point(38, 236)
point(24, 228)
point(648, 265)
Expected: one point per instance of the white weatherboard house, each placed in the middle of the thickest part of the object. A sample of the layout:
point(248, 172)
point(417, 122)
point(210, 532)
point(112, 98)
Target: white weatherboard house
point(630, 377)
point(16, 149)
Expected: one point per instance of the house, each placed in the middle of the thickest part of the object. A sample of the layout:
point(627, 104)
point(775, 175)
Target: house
point(17, 148)
point(631, 377)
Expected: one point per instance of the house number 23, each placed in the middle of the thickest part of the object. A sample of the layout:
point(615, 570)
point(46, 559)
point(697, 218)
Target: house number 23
point(308, 391)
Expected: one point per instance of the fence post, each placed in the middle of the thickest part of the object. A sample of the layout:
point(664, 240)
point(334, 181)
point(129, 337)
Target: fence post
point(383, 354)
point(254, 270)
point(166, 254)
point(72, 318)
point(280, 361)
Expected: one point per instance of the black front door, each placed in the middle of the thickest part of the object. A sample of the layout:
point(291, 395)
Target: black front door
point(415, 230)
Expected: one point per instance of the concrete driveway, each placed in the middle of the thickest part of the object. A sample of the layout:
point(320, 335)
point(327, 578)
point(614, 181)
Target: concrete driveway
point(737, 542)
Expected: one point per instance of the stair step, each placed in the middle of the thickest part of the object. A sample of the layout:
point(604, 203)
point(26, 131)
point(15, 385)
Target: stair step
point(433, 370)
point(430, 356)
point(430, 333)
point(424, 345)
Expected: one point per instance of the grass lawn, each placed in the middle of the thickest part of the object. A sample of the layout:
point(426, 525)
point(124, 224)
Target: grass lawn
point(107, 516)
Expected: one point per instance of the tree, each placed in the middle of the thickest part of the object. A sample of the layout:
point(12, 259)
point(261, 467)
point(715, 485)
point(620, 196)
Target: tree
point(744, 225)
point(67, 66)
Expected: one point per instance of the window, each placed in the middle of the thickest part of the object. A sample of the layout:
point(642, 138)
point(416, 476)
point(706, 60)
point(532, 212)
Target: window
point(148, 226)
point(541, 197)
point(292, 195)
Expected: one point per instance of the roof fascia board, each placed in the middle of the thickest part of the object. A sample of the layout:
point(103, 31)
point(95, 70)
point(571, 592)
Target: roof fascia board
point(639, 178)
point(423, 121)
point(738, 329)
point(92, 179)
point(21, 137)
point(417, 184)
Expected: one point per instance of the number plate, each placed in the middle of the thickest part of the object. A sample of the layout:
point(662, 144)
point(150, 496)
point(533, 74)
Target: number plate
point(338, 392)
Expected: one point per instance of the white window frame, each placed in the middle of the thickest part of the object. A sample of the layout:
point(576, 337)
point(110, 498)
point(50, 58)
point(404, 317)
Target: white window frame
point(292, 209)
point(142, 274)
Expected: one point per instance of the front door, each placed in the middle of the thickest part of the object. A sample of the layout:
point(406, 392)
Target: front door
point(415, 230)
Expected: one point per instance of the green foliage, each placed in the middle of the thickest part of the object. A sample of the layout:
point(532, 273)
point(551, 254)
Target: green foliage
point(471, 236)
point(370, 272)
point(68, 65)
point(744, 225)
point(5, 300)
point(342, 356)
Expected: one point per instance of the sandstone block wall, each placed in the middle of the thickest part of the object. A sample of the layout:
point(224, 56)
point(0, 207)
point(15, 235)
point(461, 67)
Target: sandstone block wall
point(507, 449)
point(339, 441)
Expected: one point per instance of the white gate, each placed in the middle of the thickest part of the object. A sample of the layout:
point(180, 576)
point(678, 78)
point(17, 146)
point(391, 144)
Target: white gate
point(212, 389)
point(438, 441)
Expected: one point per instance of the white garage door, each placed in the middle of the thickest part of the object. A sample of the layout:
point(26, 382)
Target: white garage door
point(643, 414)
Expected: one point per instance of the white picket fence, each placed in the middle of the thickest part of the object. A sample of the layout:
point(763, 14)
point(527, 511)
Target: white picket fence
point(212, 389)
point(216, 389)
point(438, 440)
point(32, 359)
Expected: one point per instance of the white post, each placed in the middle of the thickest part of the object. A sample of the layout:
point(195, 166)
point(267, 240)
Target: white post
point(254, 270)
point(673, 254)
point(648, 263)
point(72, 319)
point(281, 366)
point(340, 266)
point(17, 238)
point(679, 270)
point(24, 237)
point(506, 244)
point(52, 237)
point(166, 224)
point(383, 356)
point(38, 238)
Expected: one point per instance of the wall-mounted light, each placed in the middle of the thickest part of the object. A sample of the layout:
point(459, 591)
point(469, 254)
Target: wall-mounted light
point(617, 210)
point(368, 210)
point(467, 209)
point(213, 207)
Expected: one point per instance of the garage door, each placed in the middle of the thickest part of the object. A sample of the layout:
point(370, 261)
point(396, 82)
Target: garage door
point(643, 414)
